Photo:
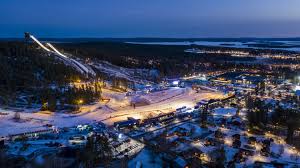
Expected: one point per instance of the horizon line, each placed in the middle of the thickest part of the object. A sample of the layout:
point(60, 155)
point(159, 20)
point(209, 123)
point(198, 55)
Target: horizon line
point(155, 37)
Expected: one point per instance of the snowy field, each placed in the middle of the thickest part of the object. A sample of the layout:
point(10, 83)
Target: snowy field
point(135, 75)
point(118, 108)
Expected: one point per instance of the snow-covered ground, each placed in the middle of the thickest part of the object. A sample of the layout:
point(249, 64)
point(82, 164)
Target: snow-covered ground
point(135, 75)
point(108, 112)
point(146, 159)
point(225, 112)
point(37, 146)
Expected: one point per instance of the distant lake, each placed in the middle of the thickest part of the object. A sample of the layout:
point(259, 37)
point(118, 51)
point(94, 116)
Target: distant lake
point(275, 45)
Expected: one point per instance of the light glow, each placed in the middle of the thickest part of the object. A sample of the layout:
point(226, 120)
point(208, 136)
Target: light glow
point(175, 82)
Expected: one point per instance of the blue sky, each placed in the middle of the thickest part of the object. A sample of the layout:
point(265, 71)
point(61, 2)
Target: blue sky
point(150, 18)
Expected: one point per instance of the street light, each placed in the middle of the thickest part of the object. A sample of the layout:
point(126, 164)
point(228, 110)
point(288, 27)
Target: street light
point(80, 101)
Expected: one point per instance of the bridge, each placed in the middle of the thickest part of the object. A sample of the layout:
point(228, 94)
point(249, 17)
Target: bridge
point(82, 68)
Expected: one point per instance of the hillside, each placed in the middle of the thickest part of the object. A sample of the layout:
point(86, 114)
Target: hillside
point(25, 70)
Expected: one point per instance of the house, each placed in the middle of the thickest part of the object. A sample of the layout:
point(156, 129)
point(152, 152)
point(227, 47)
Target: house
point(236, 121)
point(78, 140)
point(191, 153)
point(249, 79)
point(182, 132)
point(246, 152)
point(226, 78)
point(236, 137)
point(30, 134)
point(251, 140)
point(219, 134)
point(180, 162)
point(236, 143)
point(130, 122)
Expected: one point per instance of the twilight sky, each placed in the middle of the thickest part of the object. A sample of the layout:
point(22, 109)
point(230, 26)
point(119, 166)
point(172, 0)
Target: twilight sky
point(150, 18)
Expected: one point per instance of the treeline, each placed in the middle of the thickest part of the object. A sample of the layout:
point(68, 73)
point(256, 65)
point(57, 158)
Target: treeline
point(23, 65)
point(26, 70)
point(70, 97)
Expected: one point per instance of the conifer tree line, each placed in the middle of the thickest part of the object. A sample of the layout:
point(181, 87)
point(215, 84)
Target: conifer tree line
point(43, 78)
point(58, 98)
point(281, 117)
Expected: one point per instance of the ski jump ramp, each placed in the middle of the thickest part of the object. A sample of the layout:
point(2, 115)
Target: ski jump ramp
point(76, 64)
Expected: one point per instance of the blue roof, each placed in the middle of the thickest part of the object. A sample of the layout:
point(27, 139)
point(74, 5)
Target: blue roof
point(180, 161)
point(297, 92)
